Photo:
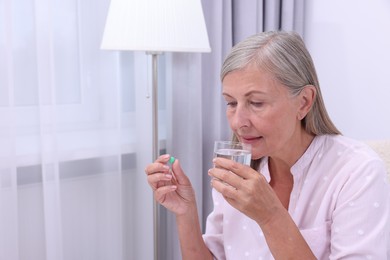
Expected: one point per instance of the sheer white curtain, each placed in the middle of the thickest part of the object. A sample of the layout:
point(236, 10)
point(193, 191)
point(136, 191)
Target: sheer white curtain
point(75, 136)
point(75, 127)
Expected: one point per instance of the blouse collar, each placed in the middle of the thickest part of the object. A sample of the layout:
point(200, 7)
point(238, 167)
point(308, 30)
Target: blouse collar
point(302, 162)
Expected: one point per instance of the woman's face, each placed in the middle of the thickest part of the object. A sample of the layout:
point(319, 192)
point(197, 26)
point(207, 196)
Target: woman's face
point(261, 112)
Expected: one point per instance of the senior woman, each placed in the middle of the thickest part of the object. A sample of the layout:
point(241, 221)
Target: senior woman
point(310, 192)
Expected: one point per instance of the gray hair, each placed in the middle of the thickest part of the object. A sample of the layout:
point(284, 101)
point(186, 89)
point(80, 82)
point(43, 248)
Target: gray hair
point(284, 55)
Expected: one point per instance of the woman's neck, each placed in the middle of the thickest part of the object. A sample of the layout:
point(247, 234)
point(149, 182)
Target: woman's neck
point(281, 165)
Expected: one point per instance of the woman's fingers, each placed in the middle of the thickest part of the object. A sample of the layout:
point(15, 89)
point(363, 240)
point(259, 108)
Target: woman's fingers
point(156, 180)
point(159, 174)
point(226, 177)
point(158, 166)
point(228, 191)
point(160, 193)
point(239, 169)
point(179, 174)
point(163, 158)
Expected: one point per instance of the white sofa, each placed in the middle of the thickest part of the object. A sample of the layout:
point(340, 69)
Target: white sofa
point(382, 148)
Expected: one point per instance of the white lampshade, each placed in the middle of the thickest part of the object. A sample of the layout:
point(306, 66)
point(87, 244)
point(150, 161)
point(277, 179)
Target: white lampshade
point(156, 25)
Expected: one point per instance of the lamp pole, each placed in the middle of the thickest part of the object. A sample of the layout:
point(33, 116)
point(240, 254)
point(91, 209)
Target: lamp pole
point(155, 142)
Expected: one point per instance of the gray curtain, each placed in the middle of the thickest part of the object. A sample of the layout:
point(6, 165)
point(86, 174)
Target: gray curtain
point(195, 102)
point(252, 16)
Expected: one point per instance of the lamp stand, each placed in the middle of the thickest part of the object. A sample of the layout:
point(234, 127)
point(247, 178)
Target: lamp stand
point(155, 143)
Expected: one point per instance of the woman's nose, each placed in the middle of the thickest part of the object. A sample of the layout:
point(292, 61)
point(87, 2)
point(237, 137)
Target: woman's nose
point(241, 117)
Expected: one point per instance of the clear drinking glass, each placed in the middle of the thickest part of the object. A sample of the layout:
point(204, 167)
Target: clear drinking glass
point(235, 151)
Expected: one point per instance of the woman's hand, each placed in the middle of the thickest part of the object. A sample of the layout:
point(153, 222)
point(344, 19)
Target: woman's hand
point(171, 188)
point(245, 189)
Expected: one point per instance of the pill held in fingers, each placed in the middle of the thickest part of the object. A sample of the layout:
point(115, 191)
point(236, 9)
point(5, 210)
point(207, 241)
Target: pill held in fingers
point(172, 159)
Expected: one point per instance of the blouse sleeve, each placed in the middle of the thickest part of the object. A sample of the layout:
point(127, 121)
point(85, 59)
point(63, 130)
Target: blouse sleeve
point(213, 236)
point(360, 226)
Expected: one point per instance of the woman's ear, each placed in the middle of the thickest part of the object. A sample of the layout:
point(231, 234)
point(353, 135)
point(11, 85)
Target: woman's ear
point(306, 99)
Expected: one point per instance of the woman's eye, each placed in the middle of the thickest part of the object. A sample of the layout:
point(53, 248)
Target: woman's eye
point(256, 104)
point(231, 104)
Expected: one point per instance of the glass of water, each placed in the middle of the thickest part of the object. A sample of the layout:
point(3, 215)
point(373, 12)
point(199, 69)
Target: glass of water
point(238, 152)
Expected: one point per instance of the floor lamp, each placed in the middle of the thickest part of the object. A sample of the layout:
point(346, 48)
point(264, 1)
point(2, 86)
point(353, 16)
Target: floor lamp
point(155, 26)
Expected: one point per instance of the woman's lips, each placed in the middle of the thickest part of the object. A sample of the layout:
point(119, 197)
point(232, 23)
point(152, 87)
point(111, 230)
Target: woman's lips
point(249, 139)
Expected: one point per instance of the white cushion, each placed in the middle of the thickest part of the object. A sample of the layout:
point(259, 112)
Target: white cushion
point(382, 148)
